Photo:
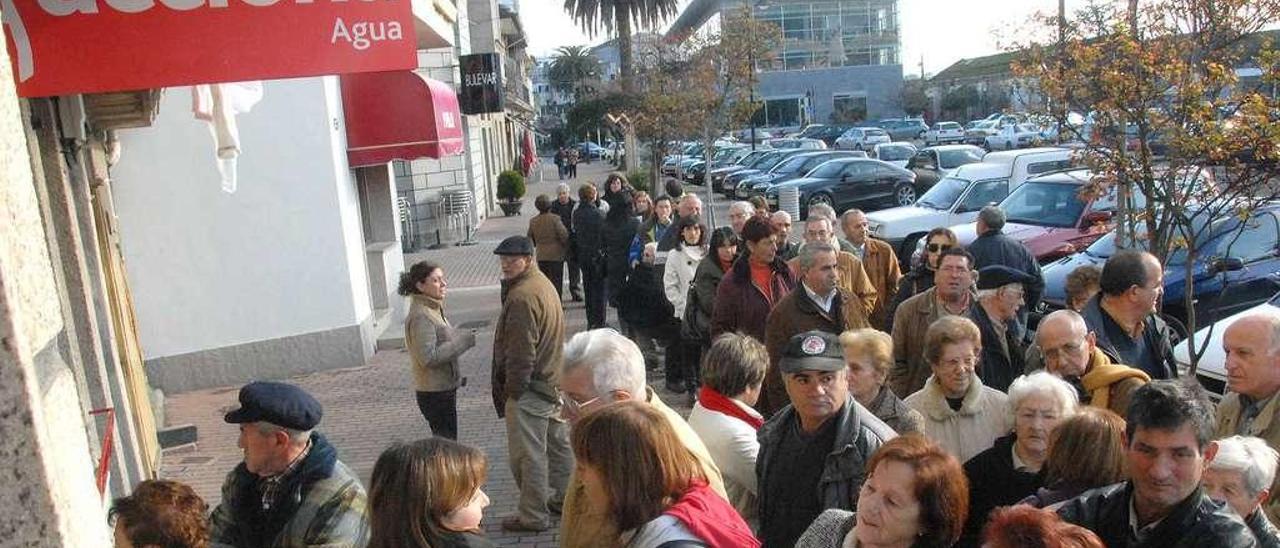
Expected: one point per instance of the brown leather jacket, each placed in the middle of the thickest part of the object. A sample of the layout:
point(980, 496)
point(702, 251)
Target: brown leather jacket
point(528, 339)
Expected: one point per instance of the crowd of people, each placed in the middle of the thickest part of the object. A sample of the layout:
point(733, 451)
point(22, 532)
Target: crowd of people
point(837, 402)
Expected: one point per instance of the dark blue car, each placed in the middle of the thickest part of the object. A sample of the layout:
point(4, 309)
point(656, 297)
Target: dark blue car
point(1234, 270)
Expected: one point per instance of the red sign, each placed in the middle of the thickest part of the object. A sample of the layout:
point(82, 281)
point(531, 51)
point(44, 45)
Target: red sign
point(61, 47)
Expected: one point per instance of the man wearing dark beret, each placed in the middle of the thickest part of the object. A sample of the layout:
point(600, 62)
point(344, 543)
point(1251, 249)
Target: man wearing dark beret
point(527, 345)
point(1001, 293)
point(291, 490)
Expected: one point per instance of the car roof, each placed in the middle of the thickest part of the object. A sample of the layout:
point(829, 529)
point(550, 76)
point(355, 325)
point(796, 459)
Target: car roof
point(1008, 156)
point(982, 171)
point(1071, 176)
point(952, 147)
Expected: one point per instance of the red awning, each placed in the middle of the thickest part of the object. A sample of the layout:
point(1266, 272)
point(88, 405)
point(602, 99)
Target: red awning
point(399, 115)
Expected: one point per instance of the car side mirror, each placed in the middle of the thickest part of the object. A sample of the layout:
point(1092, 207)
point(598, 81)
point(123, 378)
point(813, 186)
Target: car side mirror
point(1227, 264)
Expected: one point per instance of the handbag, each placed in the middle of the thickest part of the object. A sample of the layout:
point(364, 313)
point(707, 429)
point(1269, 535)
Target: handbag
point(692, 327)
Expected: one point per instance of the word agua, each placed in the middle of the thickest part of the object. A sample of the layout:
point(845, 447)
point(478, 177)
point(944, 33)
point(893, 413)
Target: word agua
point(362, 34)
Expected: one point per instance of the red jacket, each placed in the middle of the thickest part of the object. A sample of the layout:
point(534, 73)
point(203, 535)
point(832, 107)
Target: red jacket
point(710, 518)
point(741, 306)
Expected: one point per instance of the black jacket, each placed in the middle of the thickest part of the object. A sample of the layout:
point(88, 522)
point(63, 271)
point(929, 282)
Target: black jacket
point(642, 301)
point(588, 223)
point(997, 368)
point(565, 211)
point(1266, 533)
point(995, 248)
point(1196, 522)
point(1156, 334)
point(993, 483)
point(620, 228)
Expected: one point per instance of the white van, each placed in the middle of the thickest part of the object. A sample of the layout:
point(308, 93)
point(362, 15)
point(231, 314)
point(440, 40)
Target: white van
point(957, 198)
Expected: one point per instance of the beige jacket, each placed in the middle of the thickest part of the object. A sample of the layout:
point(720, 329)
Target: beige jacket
point(983, 416)
point(434, 346)
point(883, 272)
point(550, 238)
point(1266, 426)
point(582, 526)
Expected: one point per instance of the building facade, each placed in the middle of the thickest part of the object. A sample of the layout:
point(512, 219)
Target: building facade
point(836, 60)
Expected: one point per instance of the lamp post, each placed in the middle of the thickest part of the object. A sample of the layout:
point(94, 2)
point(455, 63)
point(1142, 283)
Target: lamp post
point(751, 59)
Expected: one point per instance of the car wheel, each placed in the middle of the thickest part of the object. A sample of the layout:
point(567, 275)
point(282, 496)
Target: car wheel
point(1179, 329)
point(904, 194)
point(818, 199)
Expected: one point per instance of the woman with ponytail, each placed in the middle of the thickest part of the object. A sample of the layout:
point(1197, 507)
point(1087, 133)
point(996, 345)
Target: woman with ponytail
point(434, 347)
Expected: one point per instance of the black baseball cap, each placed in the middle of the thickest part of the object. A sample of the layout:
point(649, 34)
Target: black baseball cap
point(812, 351)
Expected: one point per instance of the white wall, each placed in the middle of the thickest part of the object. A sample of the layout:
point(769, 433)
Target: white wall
point(277, 258)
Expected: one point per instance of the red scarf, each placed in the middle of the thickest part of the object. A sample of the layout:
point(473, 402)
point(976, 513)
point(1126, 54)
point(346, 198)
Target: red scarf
point(714, 401)
point(710, 518)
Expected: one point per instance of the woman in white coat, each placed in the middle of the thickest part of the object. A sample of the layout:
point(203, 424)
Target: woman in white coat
point(960, 414)
point(682, 263)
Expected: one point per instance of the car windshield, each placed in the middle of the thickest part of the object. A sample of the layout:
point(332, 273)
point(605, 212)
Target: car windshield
point(875, 133)
point(895, 152)
point(944, 194)
point(948, 126)
point(1044, 204)
point(1105, 247)
point(829, 169)
point(766, 161)
point(951, 159)
point(791, 165)
point(750, 158)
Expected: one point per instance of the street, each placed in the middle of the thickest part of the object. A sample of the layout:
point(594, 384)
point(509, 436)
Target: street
point(367, 408)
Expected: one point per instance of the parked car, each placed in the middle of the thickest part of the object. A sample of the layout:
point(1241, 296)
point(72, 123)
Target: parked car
point(671, 164)
point(1049, 215)
point(1013, 136)
point(931, 164)
point(1236, 266)
point(798, 142)
point(958, 197)
point(944, 132)
point(590, 150)
point(862, 138)
point(847, 183)
point(977, 135)
point(723, 155)
point(729, 185)
point(897, 153)
point(717, 175)
point(1211, 370)
point(792, 168)
point(904, 129)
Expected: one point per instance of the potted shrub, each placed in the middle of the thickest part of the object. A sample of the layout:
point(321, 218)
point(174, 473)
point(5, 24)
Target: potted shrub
point(510, 191)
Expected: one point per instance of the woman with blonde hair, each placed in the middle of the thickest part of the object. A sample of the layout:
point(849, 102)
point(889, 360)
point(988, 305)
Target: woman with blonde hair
point(633, 465)
point(426, 494)
point(869, 354)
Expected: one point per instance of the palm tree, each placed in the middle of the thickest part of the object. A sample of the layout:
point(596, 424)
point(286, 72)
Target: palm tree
point(572, 66)
point(617, 17)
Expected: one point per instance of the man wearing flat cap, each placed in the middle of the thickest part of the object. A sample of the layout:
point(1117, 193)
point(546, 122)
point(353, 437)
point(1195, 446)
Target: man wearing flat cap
point(291, 490)
point(1001, 293)
point(526, 351)
point(813, 452)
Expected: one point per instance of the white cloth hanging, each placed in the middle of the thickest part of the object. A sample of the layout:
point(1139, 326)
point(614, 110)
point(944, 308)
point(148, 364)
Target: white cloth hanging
point(219, 104)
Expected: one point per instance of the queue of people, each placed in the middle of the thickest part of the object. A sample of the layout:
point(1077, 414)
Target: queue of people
point(836, 403)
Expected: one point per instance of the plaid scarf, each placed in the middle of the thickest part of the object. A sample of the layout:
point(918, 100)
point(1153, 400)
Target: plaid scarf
point(270, 487)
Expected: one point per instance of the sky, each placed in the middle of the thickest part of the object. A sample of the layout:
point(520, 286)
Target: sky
point(939, 31)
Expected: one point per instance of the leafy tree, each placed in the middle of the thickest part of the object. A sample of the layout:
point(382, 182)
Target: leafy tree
point(1165, 111)
point(574, 70)
point(620, 18)
point(914, 101)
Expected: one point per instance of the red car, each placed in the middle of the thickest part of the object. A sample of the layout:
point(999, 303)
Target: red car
point(1048, 215)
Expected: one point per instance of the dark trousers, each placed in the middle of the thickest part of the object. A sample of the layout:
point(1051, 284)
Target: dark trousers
point(593, 286)
point(554, 271)
point(692, 362)
point(441, 411)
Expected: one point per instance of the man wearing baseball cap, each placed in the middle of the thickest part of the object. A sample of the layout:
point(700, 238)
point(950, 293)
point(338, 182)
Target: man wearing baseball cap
point(527, 345)
point(1001, 293)
point(813, 452)
point(291, 489)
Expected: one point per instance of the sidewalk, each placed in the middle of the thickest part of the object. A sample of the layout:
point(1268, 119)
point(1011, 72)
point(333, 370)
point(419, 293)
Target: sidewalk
point(369, 407)
point(475, 266)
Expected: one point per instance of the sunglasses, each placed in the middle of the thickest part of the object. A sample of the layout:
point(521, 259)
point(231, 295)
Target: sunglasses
point(937, 248)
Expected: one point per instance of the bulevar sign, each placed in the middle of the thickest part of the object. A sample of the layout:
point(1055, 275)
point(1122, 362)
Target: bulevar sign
point(61, 47)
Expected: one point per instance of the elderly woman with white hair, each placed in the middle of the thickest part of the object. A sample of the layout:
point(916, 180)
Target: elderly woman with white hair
point(1239, 471)
point(600, 367)
point(1010, 470)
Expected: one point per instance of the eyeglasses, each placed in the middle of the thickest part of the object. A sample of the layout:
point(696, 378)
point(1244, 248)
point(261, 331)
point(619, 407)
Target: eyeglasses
point(937, 248)
point(574, 406)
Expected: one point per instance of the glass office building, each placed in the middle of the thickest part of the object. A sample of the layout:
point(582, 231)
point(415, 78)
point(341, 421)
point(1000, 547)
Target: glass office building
point(842, 33)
